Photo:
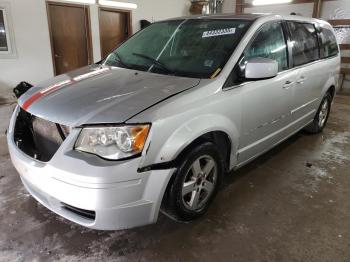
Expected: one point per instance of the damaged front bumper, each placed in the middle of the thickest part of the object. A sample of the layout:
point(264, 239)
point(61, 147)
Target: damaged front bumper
point(90, 191)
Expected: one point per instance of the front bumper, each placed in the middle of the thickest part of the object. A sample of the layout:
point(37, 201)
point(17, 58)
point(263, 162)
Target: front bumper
point(114, 192)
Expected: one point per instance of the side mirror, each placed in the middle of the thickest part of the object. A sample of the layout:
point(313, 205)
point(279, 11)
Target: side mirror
point(261, 68)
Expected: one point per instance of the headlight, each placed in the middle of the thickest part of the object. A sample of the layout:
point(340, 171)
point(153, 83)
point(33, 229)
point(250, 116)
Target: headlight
point(113, 142)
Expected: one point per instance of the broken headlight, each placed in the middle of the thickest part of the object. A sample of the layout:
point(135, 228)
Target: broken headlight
point(113, 142)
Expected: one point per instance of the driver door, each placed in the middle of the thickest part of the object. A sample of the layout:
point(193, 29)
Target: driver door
point(266, 104)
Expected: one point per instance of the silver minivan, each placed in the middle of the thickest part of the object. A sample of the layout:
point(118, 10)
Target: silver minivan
point(158, 123)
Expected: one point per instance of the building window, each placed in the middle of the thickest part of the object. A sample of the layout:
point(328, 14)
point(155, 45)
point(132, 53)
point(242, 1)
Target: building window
point(7, 41)
point(4, 45)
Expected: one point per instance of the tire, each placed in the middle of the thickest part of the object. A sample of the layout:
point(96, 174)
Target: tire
point(193, 188)
point(321, 117)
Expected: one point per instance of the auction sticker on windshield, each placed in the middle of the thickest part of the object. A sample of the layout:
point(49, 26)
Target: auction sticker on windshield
point(219, 32)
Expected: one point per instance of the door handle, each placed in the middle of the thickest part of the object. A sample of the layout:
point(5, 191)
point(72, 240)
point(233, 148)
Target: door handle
point(287, 84)
point(301, 80)
point(58, 56)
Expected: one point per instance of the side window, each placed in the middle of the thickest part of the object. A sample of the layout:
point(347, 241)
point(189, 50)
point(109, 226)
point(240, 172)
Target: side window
point(305, 43)
point(268, 43)
point(329, 46)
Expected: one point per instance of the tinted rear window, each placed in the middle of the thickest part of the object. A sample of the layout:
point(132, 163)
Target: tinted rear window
point(329, 46)
point(305, 43)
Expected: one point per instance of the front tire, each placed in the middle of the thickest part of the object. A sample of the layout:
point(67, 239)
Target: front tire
point(195, 183)
point(321, 117)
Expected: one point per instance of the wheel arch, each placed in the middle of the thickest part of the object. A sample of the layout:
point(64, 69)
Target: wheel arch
point(167, 151)
point(329, 87)
point(331, 91)
point(209, 127)
point(219, 138)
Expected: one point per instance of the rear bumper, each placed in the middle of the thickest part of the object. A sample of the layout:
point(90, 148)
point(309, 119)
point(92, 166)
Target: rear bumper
point(113, 194)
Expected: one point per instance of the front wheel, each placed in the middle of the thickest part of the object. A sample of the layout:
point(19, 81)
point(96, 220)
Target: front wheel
point(195, 184)
point(321, 117)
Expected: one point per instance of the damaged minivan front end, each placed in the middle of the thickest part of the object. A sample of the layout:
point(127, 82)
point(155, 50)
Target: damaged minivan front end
point(64, 154)
point(82, 187)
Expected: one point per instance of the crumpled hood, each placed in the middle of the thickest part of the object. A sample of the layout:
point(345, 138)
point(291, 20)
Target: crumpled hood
point(94, 95)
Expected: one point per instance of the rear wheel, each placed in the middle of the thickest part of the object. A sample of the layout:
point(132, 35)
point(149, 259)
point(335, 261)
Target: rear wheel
point(321, 117)
point(195, 183)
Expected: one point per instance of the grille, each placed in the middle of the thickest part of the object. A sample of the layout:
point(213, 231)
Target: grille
point(37, 137)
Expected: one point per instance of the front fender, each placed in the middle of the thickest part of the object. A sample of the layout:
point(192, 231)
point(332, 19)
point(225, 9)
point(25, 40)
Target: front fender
point(189, 131)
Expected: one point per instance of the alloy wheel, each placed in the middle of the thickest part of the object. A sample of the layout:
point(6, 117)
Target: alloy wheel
point(200, 182)
point(323, 114)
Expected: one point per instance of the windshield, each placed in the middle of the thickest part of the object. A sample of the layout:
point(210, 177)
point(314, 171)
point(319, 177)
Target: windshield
point(191, 48)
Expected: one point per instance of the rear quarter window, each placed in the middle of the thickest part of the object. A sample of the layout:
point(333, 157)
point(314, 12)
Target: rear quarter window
point(329, 45)
point(305, 42)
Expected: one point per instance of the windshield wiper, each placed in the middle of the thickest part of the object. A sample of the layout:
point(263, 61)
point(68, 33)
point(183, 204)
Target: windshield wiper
point(155, 62)
point(120, 60)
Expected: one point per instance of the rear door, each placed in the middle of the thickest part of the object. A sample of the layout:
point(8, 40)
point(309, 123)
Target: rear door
point(311, 73)
point(266, 104)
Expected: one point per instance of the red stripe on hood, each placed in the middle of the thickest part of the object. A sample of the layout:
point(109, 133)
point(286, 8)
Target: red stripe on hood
point(44, 92)
point(59, 85)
